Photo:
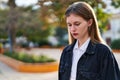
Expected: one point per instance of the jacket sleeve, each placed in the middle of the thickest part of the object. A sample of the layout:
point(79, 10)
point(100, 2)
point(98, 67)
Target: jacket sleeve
point(61, 65)
point(110, 69)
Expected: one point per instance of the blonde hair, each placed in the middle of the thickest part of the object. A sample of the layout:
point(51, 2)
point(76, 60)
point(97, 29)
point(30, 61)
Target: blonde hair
point(85, 10)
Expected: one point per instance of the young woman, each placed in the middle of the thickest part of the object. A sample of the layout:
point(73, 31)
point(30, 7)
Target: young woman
point(87, 57)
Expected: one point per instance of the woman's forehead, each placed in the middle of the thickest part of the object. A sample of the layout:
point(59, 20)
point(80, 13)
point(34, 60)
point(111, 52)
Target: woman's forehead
point(73, 17)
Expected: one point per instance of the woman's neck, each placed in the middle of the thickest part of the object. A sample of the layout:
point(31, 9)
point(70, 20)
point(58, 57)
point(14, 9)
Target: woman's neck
point(82, 41)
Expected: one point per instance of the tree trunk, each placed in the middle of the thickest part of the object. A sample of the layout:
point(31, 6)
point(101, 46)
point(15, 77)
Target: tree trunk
point(11, 25)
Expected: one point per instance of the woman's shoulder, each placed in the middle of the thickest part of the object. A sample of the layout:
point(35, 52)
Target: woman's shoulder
point(68, 47)
point(103, 48)
point(65, 51)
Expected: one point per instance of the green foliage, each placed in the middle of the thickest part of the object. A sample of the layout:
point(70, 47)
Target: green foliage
point(31, 26)
point(116, 3)
point(24, 45)
point(102, 18)
point(115, 44)
point(30, 58)
point(35, 24)
point(59, 11)
point(3, 18)
point(61, 31)
point(1, 45)
point(60, 35)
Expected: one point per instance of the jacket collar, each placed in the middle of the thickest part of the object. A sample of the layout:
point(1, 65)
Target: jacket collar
point(90, 49)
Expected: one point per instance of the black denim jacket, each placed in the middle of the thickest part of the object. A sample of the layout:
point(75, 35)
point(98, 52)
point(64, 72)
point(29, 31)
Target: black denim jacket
point(97, 63)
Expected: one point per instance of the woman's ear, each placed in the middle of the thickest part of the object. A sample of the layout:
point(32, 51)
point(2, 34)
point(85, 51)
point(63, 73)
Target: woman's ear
point(90, 21)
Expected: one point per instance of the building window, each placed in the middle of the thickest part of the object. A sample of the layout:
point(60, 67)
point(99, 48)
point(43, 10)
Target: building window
point(108, 26)
point(108, 41)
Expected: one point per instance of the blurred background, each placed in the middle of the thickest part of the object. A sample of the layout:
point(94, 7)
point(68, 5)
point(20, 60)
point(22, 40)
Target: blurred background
point(38, 27)
point(40, 23)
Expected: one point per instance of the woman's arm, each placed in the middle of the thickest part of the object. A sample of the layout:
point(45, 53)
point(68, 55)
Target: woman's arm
point(110, 69)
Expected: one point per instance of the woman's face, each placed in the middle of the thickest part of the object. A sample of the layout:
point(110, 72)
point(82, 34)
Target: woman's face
point(78, 26)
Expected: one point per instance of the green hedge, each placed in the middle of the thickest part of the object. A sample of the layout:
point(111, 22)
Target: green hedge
point(115, 44)
point(30, 58)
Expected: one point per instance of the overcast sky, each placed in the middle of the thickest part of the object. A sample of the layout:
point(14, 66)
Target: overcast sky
point(26, 2)
point(109, 9)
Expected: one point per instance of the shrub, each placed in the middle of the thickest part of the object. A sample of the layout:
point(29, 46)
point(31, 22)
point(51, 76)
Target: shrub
point(29, 58)
point(115, 44)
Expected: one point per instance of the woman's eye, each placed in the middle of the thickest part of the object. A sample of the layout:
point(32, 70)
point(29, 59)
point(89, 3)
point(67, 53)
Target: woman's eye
point(69, 25)
point(77, 24)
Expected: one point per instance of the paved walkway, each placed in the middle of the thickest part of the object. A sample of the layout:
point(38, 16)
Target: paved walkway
point(117, 56)
point(7, 73)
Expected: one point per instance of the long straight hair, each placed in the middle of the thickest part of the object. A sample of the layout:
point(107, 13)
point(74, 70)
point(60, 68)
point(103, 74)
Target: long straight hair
point(85, 11)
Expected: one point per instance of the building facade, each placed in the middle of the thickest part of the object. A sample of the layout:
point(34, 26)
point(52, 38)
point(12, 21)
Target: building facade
point(113, 31)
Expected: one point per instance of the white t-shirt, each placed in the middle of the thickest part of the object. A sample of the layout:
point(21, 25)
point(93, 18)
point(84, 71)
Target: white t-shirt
point(77, 53)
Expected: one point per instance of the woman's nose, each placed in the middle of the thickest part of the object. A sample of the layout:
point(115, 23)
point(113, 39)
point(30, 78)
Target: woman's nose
point(72, 28)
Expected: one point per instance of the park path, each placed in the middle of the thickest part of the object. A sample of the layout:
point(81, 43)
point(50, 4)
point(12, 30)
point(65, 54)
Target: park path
point(7, 73)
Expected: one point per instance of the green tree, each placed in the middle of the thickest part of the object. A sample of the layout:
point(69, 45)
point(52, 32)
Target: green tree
point(3, 17)
point(23, 21)
point(31, 26)
point(37, 25)
point(115, 44)
point(58, 7)
point(116, 3)
point(11, 23)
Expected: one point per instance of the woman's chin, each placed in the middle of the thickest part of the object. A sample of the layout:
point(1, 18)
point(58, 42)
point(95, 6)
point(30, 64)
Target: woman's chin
point(75, 37)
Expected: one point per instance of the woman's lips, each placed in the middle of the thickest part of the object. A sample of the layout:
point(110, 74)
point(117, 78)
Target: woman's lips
point(75, 34)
